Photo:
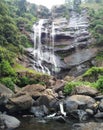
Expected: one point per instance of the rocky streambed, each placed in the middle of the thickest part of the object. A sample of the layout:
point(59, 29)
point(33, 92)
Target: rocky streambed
point(38, 106)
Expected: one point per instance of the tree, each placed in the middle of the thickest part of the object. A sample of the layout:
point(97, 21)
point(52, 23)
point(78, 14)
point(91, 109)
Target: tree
point(21, 7)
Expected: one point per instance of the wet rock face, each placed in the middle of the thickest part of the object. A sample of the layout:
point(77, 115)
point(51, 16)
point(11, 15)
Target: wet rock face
point(71, 43)
point(75, 52)
point(80, 57)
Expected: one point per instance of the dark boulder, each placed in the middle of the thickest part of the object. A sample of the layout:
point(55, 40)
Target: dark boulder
point(7, 121)
point(19, 102)
point(79, 115)
point(39, 111)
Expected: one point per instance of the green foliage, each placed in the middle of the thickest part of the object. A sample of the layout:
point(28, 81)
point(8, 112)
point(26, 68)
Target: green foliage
point(99, 28)
point(10, 33)
point(5, 54)
point(93, 74)
point(3, 8)
point(96, 25)
point(95, 8)
point(15, 15)
point(23, 81)
point(21, 7)
point(23, 39)
point(99, 84)
point(70, 86)
point(6, 69)
point(7, 81)
point(99, 55)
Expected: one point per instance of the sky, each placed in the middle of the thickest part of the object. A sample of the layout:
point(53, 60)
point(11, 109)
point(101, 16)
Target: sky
point(47, 3)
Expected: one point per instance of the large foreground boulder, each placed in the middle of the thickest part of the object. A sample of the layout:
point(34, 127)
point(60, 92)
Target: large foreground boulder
point(85, 90)
point(47, 96)
point(58, 86)
point(34, 90)
point(71, 106)
point(39, 111)
point(80, 115)
point(5, 93)
point(81, 100)
point(20, 101)
point(41, 95)
point(8, 121)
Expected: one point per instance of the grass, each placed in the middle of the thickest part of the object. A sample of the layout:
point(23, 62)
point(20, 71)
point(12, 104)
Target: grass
point(100, 55)
point(29, 76)
point(20, 68)
point(71, 85)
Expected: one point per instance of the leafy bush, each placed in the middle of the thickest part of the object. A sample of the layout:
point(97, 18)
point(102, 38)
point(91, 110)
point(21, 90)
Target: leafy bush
point(93, 74)
point(6, 69)
point(23, 41)
point(5, 54)
point(99, 55)
point(99, 28)
point(7, 81)
point(23, 81)
point(99, 84)
point(70, 86)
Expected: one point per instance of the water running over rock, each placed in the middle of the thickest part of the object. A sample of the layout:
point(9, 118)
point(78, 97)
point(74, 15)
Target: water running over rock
point(62, 47)
point(45, 59)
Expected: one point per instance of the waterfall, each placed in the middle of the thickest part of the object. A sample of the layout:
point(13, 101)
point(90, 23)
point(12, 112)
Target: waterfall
point(37, 52)
point(44, 59)
point(53, 41)
point(62, 109)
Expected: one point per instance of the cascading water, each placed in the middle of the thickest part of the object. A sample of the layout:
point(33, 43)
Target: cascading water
point(62, 109)
point(44, 56)
point(37, 52)
point(53, 40)
point(69, 41)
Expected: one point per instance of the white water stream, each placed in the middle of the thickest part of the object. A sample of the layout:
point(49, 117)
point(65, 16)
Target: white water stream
point(40, 55)
point(62, 109)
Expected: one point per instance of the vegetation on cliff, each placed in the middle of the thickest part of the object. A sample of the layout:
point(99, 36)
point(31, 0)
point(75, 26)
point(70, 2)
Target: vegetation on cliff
point(16, 20)
point(94, 76)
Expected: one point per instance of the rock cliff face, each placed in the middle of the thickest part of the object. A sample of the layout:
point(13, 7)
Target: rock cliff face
point(72, 42)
